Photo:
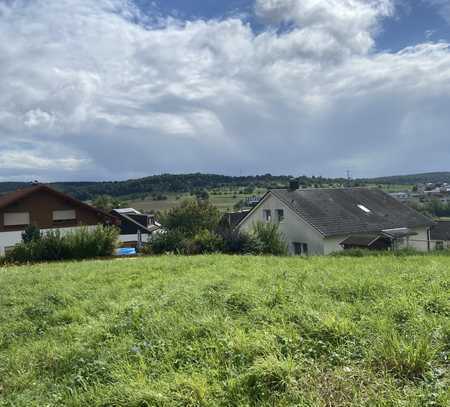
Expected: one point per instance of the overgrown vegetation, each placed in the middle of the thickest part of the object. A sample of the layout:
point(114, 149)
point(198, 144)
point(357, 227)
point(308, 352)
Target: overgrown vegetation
point(82, 243)
point(193, 228)
point(226, 331)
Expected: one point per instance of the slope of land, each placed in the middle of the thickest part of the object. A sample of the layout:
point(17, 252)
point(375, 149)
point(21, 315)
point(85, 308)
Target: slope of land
point(411, 179)
point(226, 331)
point(186, 183)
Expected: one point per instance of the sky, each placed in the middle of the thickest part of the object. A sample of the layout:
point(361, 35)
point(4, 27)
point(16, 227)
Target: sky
point(118, 89)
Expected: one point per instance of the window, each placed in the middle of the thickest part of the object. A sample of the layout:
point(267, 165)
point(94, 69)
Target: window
point(300, 249)
point(61, 216)
point(439, 245)
point(280, 215)
point(16, 219)
point(363, 208)
point(267, 214)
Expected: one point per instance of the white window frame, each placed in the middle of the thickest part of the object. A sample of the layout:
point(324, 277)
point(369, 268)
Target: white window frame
point(267, 215)
point(23, 218)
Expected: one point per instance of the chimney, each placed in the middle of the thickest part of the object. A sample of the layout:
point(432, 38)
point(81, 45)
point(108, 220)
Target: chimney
point(294, 184)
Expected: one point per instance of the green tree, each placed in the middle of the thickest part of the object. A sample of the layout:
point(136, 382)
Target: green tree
point(107, 203)
point(192, 217)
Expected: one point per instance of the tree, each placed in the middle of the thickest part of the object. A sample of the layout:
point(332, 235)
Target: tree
point(107, 203)
point(192, 217)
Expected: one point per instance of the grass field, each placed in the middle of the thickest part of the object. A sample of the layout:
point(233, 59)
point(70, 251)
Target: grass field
point(223, 199)
point(226, 331)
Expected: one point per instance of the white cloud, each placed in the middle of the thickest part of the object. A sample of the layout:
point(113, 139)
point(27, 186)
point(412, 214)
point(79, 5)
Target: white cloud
point(93, 88)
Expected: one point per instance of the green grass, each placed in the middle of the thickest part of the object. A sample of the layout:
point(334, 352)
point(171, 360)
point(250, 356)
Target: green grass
point(226, 331)
point(224, 199)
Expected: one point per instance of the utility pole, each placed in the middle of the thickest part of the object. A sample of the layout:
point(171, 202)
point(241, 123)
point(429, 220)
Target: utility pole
point(349, 178)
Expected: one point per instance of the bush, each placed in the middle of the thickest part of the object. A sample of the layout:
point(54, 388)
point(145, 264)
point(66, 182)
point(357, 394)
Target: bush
point(82, 243)
point(240, 243)
point(205, 242)
point(192, 217)
point(174, 241)
point(31, 233)
point(171, 241)
point(271, 240)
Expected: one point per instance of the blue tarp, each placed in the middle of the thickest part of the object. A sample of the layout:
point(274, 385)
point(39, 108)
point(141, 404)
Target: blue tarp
point(125, 251)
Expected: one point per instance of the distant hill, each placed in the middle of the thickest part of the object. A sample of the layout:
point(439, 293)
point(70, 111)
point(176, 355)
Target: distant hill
point(180, 183)
point(167, 183)
point(435, 177)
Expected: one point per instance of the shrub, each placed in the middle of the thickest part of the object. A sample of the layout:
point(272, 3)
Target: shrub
point(82, 243)
point(171, 241)
point(31, 233)
point(240, 243)
point(191, 218)
point(205, 242)
point(271, 240)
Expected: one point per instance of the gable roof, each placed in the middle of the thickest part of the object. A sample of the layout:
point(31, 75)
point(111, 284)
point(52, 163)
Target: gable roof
point(128, 218)
point(232, 219)
point(13, 197)
point(342, 211)
point(440, 231)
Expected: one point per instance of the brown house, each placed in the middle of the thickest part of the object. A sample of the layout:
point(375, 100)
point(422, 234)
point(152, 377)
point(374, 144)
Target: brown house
point(45, 208)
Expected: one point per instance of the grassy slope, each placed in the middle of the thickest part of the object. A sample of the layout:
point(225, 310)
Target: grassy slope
point(226, 331)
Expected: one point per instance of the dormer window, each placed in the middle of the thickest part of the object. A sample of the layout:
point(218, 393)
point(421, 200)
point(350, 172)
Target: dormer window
point(364, 208)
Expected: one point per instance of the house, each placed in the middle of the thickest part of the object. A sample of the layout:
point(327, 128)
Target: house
point(325, 220)
point(46, 208)
point(440, 235)
point(135, 227)
point(230, 220)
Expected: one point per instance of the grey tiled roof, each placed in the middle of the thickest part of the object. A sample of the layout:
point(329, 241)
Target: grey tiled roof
point(335, 211)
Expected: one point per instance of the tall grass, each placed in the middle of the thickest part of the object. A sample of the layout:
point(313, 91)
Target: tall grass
point(226, 331)
point(80, 243)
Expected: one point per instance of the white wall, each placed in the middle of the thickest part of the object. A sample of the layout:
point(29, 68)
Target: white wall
point(293, 228)
point(420, 241)
point(332, 244)
point(12, 238)
point(134, 238)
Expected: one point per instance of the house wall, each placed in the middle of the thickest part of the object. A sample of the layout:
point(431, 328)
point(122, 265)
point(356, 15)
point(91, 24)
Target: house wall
point(8, 239)
point(41, 205)
point(332, 244)
point(293, 228)
point(420, 241)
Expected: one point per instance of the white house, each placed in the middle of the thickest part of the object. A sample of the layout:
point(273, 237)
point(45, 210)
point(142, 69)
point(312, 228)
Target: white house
point(321, 221)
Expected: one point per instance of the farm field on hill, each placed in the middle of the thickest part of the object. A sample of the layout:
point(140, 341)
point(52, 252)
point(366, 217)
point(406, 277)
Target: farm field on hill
point(226, 331)
point(224, 200)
